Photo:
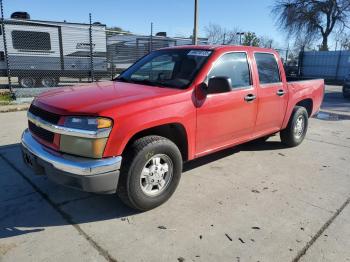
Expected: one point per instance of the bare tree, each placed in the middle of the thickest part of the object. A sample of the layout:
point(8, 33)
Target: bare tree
point(304, 42)
point(231, 37)
point(218, 35)
point(312, 17)
point(266, 41)
point(344, 41)
point(214, 33)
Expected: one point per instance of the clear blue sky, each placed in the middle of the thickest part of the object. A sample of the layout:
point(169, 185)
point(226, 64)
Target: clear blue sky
point(172, 16)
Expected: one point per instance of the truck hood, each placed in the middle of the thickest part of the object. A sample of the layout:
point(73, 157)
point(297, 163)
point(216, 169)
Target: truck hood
point(95, 98)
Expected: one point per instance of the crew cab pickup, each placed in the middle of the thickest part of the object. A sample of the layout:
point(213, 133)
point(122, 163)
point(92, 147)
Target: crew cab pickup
point(131, 136)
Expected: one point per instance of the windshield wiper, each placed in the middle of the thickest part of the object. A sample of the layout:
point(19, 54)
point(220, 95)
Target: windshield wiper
point(145, 82)
point(148, 82)
point(123, 79)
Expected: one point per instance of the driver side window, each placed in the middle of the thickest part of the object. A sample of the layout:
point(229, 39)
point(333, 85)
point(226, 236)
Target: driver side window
point(235, 66)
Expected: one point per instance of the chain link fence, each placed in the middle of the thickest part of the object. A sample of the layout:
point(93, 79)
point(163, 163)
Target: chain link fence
point(37, 55)
point(124, 49)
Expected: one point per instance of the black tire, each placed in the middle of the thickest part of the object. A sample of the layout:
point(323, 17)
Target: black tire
point(134, 160)
point(49, 81)
point(289, 136)
point(27, 82)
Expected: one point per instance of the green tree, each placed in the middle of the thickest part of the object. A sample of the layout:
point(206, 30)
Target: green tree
point(250, 39)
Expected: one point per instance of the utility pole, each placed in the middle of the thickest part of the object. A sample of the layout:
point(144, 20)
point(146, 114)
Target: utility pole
point(151, 39)
point(195, 27)
point(240, 37)
point(91, 50)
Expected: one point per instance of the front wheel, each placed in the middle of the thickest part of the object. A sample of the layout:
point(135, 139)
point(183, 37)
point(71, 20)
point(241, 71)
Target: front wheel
point(27, 81)
point(296, 130)
point(150, 172)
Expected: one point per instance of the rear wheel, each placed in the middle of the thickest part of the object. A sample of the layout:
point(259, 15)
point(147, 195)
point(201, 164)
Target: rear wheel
point(27, 82)
point(150, 172)
point(296, 130)
point(49, 81)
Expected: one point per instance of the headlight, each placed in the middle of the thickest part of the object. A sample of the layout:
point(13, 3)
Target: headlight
point(87, 123)
point(84, 146)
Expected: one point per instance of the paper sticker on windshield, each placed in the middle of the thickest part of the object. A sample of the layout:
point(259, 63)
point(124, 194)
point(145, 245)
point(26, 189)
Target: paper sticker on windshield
point(199, 53)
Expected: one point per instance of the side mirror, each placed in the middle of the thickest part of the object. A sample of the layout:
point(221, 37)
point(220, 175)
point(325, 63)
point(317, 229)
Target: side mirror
point(219, 84)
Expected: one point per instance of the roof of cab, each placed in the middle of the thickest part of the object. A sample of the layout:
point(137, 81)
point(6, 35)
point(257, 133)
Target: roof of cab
point(224, 48)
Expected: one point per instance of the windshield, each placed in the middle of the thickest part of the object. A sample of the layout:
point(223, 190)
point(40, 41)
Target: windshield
point(174, 68)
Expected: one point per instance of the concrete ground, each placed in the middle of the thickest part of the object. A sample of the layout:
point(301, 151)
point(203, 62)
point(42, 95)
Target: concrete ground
point(334, 100)
point(256, 202)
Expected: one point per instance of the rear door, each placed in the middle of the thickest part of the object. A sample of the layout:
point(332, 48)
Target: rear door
point(273, 96)
point(226, 118)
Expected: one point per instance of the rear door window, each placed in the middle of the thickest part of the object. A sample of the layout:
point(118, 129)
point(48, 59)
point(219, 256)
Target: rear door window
point(267, 68)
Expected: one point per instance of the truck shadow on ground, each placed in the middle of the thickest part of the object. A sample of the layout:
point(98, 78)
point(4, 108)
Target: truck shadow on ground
point(31, 203)
point(255, 145)
point(336, 102)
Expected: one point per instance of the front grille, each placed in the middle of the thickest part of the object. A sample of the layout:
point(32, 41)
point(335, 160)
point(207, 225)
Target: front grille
point(41, 133)
point(45, 115)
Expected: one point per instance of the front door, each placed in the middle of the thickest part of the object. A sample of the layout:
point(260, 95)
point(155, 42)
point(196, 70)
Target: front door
point(227, 118)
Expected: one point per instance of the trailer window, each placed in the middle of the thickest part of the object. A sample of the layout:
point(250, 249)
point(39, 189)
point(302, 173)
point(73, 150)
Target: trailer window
point(267, 68)
point(29, 40)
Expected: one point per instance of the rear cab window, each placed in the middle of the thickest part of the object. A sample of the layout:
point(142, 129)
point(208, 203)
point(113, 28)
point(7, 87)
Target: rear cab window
point(235, 66)
point(268, 69)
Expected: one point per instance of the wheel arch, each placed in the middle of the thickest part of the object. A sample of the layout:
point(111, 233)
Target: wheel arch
point(307, 103)
point(175, 132)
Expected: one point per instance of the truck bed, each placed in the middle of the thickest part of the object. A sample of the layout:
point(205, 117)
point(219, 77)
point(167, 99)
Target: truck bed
point(312, 89)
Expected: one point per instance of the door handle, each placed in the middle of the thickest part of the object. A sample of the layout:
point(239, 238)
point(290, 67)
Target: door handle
point(249, 97)
point(280, 92)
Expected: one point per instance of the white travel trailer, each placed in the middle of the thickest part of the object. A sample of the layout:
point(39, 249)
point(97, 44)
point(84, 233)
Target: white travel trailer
point(41, 52)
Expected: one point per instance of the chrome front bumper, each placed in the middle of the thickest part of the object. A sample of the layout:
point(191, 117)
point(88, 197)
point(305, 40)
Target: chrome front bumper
point(91, 175)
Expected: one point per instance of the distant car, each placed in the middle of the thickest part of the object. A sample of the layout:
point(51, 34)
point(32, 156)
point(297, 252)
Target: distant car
point(346, 87)
point(291, 68)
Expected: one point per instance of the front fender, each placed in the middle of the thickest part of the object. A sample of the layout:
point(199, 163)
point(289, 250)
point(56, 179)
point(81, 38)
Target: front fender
point(126, 128)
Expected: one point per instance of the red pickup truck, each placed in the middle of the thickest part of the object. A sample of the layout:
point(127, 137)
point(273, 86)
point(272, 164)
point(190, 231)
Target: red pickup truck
point(131, 136)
